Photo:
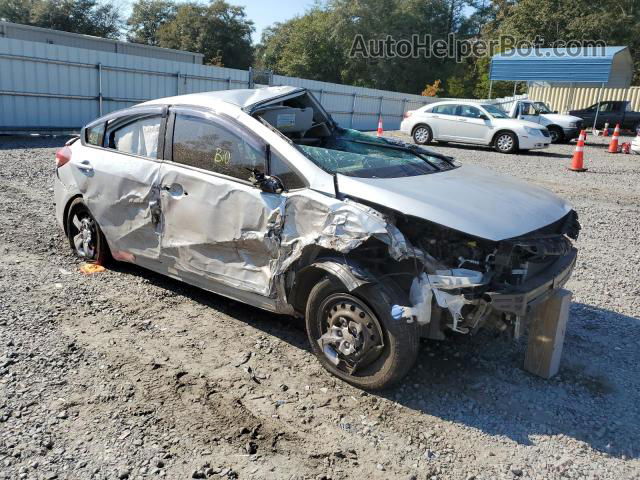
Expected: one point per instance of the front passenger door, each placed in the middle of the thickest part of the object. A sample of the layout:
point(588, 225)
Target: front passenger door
point(472, 127)
point(217, 226)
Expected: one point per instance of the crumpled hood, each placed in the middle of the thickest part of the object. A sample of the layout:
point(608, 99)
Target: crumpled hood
point(469, 199)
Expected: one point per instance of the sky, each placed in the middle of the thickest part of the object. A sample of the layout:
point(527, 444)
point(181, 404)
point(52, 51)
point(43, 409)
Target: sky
point(265, 13)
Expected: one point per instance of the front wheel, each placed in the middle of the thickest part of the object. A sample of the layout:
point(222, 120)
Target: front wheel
point(557, 135)
point(506, 142)
point(359, 341)
point(84, 233)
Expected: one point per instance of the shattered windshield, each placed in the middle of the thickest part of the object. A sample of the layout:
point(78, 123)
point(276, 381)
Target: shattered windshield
point(359, 155)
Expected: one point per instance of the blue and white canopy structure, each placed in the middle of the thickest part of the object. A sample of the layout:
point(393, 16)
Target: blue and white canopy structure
point(593, 66)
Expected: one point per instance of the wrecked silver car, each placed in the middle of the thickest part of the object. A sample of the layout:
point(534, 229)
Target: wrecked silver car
point(258, 195)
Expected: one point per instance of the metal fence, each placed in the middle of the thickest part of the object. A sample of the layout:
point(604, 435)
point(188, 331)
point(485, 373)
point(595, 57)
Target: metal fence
point(564, 99)
point(57, 88)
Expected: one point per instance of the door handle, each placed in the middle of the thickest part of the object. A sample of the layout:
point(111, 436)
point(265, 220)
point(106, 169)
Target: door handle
point(462, 119)
point(174, 189)
point(85, 167)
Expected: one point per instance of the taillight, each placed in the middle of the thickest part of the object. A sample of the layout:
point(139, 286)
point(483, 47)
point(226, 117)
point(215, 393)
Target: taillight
point(63, 156)
point(408, 113)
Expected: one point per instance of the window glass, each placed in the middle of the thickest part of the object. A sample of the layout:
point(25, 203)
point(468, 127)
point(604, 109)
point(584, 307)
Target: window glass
point(138, 136)
point(469, 111)
point(496, 112)
point(445, 109)
point(95, 135)
point(284, 172)
point(219, 147)
point(608, 107)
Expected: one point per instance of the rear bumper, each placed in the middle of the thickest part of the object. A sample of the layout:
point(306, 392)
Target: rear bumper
point(519, 300)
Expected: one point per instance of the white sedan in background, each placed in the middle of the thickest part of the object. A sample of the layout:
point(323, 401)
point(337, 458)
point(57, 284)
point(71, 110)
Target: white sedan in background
point(475, 123)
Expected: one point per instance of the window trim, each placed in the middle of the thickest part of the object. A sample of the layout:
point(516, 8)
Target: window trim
point(161, 110)
point(209, 115)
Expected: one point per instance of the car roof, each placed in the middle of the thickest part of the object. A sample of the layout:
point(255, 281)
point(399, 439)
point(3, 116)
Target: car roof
point(243, 98)
point(456, 102)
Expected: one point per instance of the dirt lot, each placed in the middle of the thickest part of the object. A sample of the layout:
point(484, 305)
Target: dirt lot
point(126, 374)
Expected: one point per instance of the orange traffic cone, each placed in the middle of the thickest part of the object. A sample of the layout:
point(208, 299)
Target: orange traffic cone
point(613, 146)
point(577, 162)
point(380, 131)
point(605, 130)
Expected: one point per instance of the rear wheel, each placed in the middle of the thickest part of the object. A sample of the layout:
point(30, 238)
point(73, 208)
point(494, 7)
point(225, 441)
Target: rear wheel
point(85, 237)
point(506, 142)
point(422, 134)
point(359, 341)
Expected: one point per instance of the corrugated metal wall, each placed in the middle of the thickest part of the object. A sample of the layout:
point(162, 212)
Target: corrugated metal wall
point(57, 37)
point(52, 87)
point(563, 99)
point(359, 107)
point(46, 87)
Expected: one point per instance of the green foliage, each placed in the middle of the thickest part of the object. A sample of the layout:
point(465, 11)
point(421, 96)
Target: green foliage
point(89, 17)
point(147, 16)
point(220, 31)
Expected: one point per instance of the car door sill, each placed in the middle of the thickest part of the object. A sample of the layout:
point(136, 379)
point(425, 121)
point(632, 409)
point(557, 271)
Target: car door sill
point(219, 288)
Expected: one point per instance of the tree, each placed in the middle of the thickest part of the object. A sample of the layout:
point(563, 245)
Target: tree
point(147, 16)
point(303, 47)
point(220, 31)
point(89, 17)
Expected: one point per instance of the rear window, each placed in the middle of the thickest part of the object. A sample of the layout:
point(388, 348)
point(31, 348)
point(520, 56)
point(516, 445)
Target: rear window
point(135, 135)
point(95, 135)
point(449, 109)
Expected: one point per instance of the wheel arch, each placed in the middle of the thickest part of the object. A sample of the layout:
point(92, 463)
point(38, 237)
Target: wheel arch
point(421, 123)
point(505, 130)
point(348, 272)
point(65, 214)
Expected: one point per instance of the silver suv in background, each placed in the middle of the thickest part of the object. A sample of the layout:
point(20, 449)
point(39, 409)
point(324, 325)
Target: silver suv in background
point(258, 195)
point(474, 123)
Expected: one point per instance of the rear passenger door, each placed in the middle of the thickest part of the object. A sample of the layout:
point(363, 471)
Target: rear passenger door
point(217, 226)
point(117, 176)
point(444, 121)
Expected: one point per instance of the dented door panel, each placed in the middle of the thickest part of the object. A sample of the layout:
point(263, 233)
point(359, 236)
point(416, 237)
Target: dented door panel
point(224, 230)
point(120, 190)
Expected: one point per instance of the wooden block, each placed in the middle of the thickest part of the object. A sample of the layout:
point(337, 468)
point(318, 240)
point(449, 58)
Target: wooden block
point(547, 326)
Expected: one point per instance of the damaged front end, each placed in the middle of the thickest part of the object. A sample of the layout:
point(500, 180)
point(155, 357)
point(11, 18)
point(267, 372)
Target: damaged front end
point(476, 282)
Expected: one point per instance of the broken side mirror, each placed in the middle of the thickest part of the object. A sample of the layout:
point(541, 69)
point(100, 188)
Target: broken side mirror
point(266, 183)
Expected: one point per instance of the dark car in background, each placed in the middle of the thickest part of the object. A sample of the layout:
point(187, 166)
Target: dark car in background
point(612, 112)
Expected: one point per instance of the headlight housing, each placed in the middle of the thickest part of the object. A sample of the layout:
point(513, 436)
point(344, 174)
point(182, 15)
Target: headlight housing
point(573, 124)
point(533, 131)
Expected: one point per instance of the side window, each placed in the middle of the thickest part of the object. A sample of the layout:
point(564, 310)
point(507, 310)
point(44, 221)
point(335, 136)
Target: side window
point(135, 135)
point(95, 135)
point(445, 109)
point(468, 111)
point(607, 107)
point(280, 169)
point(215, 146)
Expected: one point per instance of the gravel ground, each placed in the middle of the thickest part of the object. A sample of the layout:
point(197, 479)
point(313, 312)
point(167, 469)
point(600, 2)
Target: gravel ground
point(126, 374)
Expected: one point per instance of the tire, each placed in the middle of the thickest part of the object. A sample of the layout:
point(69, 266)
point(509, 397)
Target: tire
point(422, 134)
point(85, 236)
point(384, 365)
point(506, 142)
point(557, 135)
